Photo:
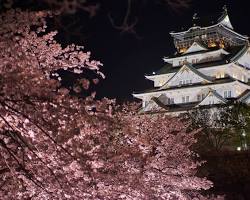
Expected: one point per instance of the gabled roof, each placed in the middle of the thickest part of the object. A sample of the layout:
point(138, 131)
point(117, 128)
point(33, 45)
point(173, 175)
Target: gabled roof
point(195, 85)
point(224, 20)
point(159, 102)
point(172, 108)
point(192, 69)
point(154, 105)
point(151, 106)
point(215, 96)
point(193, 29)
point(195, 47)
point(240, 53)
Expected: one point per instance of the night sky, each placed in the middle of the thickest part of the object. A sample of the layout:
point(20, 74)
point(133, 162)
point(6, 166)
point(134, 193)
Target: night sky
point(128, 57)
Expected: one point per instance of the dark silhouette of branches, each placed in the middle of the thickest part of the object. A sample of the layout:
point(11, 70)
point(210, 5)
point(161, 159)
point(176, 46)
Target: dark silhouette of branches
point(126, 26)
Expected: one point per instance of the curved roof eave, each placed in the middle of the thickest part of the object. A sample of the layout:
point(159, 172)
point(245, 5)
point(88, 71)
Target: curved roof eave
point(169, 73)
point(243, 36)
point(182, 32)
point(141, 94)
point(214, 93)
point(206, 27)
point(239, 54)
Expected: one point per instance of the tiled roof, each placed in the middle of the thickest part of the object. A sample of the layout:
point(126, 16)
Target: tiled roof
point(216, 81)
point(239, 53)
point(193, 69)
point(235, 52)
point(214, 93)
point(244, 95)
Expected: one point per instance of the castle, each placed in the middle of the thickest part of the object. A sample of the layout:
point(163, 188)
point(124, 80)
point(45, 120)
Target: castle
point(210, 67)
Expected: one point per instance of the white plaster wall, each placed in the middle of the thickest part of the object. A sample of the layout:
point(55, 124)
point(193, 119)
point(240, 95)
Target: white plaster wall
point(192, 93)
point(230, 69)
point(238, 73)
point(184, 75)
point(197, 58)
point(235, 88)
point(162, 79)
point(212, 71)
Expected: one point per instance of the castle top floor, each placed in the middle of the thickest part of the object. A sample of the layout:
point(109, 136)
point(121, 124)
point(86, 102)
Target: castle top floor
point(219, 34)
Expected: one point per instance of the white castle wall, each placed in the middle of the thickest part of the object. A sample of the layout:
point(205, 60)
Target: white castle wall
point(220, 71)
point(197, 58)
point(177, 94)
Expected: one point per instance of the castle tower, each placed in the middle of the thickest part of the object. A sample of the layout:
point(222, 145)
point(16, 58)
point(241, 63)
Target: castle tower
point(211, 67)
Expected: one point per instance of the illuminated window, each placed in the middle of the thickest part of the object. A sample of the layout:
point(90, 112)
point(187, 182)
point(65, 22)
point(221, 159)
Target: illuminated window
point(222, 45)
point(211, 43)
point(185, 99)
point(185, 82)
point(243, 78)
point(204, 36)
point(182, 50)
point(220, 75)
point(227, 94)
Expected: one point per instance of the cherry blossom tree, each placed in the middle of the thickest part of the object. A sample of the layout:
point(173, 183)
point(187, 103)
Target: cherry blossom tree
point(34, 111)
point(57, 146)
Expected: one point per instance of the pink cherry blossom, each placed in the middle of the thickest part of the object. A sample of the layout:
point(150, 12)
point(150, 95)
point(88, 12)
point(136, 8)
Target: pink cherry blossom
point(57, 146)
